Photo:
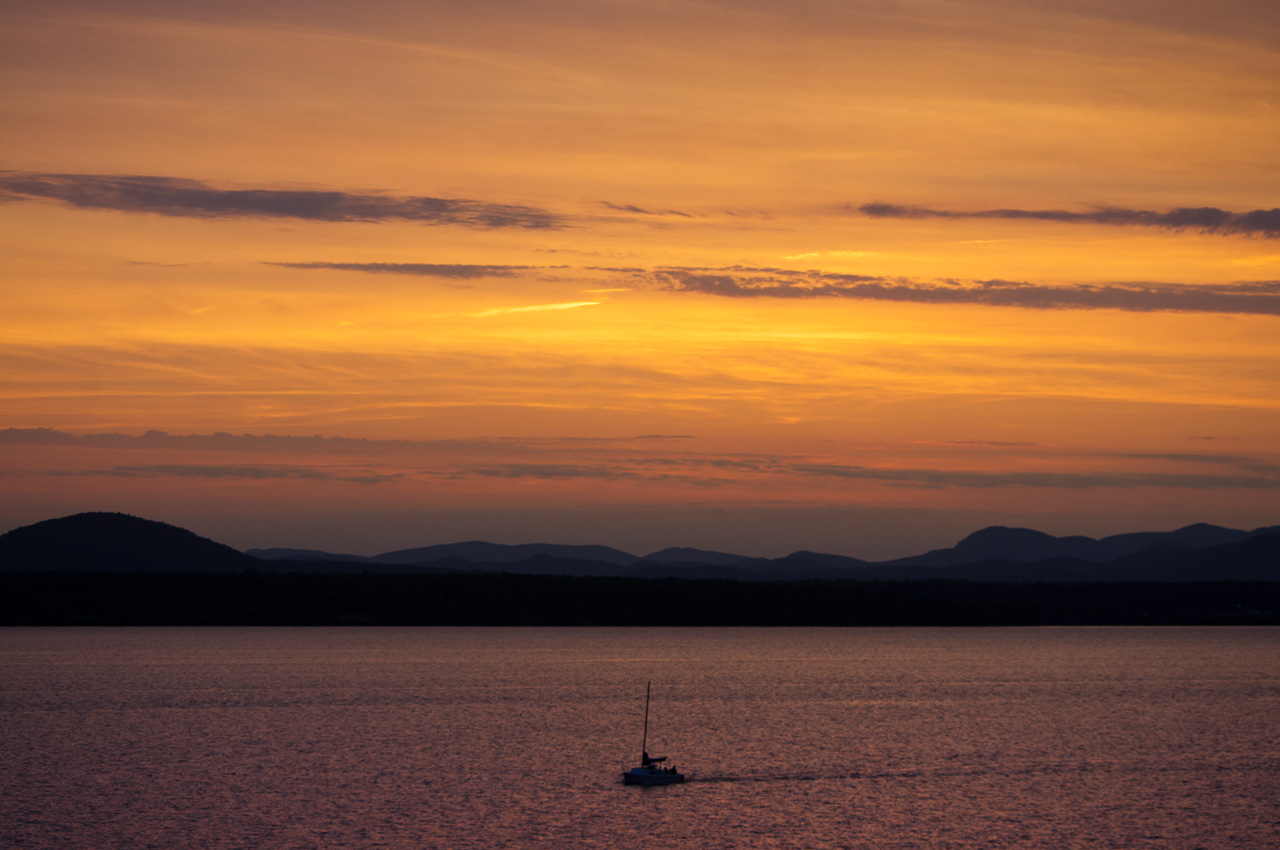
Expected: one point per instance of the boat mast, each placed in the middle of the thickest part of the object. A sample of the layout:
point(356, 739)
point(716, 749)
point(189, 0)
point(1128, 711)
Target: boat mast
point(644, 742)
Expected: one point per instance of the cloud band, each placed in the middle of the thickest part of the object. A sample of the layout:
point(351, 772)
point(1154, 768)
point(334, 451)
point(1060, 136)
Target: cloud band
point(173, 196)
point(1261, 223)
point(1256, 297)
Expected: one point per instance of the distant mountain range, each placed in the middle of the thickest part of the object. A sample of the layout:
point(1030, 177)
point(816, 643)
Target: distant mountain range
point(111, 542)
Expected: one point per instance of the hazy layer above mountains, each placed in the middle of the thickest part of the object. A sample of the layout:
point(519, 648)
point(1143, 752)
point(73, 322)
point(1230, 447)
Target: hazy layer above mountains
point(118, 542)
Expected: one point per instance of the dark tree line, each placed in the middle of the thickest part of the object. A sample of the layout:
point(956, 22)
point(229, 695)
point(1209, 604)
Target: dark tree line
point(305, 599)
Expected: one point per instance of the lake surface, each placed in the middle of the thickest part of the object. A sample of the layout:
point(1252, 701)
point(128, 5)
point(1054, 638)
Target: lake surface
point(512, 738)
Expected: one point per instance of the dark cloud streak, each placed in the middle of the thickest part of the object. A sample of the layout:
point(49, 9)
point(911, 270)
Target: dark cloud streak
point(1261, 223)
point(1244, 297)
point(1256, 297)
point(633, 209)
point(180, 197)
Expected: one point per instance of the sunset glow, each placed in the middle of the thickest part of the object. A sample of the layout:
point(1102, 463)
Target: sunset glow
point(850, 276)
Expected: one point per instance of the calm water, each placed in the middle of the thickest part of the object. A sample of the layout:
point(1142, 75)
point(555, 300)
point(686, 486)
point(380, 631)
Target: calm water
point(491, 738)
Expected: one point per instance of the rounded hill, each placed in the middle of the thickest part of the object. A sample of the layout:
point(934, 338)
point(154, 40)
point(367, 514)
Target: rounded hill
point(114, 542)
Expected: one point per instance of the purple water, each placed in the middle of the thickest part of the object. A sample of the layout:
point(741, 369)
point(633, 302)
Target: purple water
point(491, 738)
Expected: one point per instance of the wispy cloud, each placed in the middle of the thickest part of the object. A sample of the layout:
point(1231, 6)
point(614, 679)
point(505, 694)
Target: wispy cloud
point(621, 460)
point(551, 471)
point(223, 441)
point(457, 271)
point(1262, 223)
point(695, 471)
point(1254, 297)
point(537, 308)
point(988, 444)
point(175, 196)
point(978, 479)
point(1259, 297)
point(634, 210)
point(615, 471)
point(1262, 260)
point(1245, 462)
point(259, 473)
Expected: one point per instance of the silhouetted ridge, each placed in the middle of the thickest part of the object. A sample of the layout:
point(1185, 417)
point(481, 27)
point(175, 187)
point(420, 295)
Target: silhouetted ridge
point(1257, 558)
point(686, 555)
point(480, 552)
point(281, 554)
point(1201, 535)
point(115, 542)
point(1196, 553)
point(1024, 545)
point(1017, 544)
point(1261, 551)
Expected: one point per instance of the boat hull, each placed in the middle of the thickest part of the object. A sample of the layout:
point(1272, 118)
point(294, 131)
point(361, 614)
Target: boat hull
point(651, 776)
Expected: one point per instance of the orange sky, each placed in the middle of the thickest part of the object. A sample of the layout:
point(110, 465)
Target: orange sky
point(850, 276)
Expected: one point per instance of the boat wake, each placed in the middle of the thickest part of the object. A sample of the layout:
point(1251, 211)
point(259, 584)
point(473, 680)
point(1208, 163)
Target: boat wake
point(779, 777)
point(910, 773)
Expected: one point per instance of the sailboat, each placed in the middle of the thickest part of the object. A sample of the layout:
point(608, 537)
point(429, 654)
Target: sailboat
point(650, 771)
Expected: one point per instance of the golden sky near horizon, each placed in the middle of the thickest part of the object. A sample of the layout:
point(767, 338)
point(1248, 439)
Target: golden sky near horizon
point(852, 276)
